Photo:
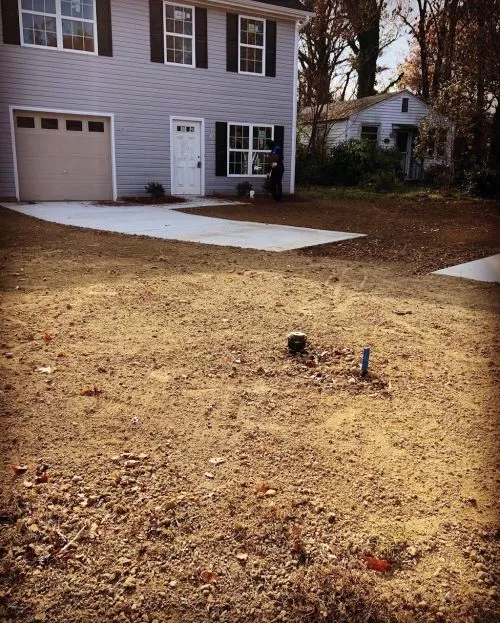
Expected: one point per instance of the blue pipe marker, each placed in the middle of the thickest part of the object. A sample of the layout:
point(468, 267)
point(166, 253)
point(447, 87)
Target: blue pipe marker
point(365, 360)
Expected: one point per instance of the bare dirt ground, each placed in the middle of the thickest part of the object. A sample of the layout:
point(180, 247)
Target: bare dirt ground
point(424, 233)
point(183, 467)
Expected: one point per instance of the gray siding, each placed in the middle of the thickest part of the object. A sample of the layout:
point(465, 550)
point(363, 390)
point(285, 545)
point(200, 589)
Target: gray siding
point(143, 95)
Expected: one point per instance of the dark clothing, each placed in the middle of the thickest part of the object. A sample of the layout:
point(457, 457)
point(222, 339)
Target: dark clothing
point(276, 177)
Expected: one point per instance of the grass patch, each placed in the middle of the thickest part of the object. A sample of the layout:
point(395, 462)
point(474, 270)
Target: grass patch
point(360, 193)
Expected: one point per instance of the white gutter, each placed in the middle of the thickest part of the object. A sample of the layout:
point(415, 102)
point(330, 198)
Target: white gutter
point(261, 8)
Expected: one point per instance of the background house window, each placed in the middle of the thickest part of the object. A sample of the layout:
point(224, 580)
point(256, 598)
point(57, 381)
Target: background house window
point(370, 133)
point(405, 104)
point(179, 32)
point(247, 149)
point(62, 24)
point(251, 45)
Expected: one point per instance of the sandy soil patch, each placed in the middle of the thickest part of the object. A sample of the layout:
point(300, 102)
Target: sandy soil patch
point(181, 466)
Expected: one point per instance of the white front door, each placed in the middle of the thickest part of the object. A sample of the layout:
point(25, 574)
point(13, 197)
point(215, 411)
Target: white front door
point(187, 164)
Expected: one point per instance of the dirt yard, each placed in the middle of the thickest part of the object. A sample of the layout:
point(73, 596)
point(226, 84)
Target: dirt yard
point(164, 459)
point(419, 233)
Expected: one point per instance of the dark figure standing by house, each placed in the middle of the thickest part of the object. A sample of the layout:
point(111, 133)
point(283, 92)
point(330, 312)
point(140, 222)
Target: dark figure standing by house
point(276, 170)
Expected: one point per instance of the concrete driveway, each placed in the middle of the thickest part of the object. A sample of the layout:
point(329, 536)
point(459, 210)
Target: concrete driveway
point(163, 221)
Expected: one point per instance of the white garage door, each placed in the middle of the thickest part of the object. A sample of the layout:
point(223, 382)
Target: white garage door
point(63, 157)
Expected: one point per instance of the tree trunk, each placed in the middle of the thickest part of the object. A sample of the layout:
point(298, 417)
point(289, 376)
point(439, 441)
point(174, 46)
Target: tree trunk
point(369, 50)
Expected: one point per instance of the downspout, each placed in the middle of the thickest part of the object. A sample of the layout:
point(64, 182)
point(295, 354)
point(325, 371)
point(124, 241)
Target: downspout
point(295, 94)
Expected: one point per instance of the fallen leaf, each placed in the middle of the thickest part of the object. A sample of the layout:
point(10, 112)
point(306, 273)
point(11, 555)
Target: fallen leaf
point(377, 564)
point(209, 577)
point(44, 370)
point(62, 354)
point(217, 460)
point(243, 557)
point(47, 337)
point(27, 484)
point(261, 487)
point(19, 469)
point(209, 475)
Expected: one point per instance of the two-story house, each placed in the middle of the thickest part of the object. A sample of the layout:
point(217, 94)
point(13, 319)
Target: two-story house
point(100, 97)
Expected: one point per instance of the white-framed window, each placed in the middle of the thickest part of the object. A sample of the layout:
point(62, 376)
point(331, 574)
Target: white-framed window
point(247, 149)
point(59, 24)
point(370, 133)
point(179, 34)
point(252, 44)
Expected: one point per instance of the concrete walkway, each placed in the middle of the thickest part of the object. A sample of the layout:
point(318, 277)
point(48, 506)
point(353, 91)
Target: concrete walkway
point(487, 269)
point(163, 221)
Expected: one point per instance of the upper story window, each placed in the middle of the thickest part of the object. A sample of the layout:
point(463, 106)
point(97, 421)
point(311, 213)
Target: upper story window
point(405, 102)
point(60, 24)
point(370, 133)
point(252, 45)
point(179, 33)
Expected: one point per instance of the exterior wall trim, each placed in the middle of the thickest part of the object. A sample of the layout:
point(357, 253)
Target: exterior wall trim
point(111, 117)
point(174, 118)
point(295, 94)
point(259, 8)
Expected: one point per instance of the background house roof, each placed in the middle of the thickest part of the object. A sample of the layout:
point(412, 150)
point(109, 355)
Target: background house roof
point(344, 110)
point(288, 4)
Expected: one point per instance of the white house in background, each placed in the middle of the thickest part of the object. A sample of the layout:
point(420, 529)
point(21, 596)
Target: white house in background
point(389, 120)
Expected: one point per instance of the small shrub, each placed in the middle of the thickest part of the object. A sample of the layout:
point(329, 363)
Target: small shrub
point(155, 190)
point(243, 189)
point(482, 182)
point(347, 164)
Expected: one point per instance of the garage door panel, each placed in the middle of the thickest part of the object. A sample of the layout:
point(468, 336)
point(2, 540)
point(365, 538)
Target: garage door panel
point(57, 164)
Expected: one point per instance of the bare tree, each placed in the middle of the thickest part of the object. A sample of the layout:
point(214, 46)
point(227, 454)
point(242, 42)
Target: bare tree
point(322, 55)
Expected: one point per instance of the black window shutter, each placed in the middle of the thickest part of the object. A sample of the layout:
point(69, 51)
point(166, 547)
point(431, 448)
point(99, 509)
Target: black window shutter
point(10, 22)
point(156, 31)
point(279, 137)
point(270, 48)
point(220, 148)
point(104, 35)
point(200, 28)
point(232, 42)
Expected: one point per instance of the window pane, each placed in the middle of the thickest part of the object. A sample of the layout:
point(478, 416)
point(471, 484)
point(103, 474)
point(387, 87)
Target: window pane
point(27, 20)
point(179, 50)
point(260, 138)
point(238, 163)
point(370, 133)
point(27, 5)
point(78, 35)
point(28, 36)
point(96, 126)
point(238, 137)
point(25, 122)
point(50, 124)
point(178, 20)
point(39, 5)
point(78, 8)
point(74, 125)
point(259, 163)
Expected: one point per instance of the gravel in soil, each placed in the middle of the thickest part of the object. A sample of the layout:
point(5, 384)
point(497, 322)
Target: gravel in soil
point(164, 458)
